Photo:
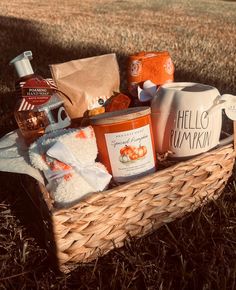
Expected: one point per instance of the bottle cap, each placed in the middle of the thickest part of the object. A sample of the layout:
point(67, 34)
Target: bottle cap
point(22, 64)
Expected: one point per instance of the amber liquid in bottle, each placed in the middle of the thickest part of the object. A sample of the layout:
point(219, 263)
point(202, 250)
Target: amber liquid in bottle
point(31, 124)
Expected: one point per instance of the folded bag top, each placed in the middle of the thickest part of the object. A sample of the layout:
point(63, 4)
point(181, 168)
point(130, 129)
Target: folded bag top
point(88, 82)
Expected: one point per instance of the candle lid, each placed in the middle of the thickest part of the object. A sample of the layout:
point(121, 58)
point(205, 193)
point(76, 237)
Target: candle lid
point(120, 116)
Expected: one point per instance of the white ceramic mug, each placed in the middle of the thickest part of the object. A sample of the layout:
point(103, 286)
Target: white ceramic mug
point(186, 118)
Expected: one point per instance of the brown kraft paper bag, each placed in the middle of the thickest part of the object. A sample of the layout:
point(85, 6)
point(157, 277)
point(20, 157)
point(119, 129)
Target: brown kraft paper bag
point(88, 82)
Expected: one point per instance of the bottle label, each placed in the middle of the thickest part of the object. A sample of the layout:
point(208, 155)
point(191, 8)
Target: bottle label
point(130, 153)
point(35, 92)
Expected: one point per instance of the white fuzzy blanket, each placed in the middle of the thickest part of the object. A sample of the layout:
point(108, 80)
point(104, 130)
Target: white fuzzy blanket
point(67, 159)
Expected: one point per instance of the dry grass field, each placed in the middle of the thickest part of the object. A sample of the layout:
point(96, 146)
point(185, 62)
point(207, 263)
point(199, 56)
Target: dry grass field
point(196, 252)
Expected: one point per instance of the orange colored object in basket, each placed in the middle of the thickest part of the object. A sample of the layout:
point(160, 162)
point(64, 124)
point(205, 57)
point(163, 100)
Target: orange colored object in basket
point(117, 102)
point(125, 142)
point(152, 65)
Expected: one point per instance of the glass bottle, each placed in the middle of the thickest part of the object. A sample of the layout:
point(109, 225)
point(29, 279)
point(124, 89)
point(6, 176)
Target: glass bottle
point(39, 109)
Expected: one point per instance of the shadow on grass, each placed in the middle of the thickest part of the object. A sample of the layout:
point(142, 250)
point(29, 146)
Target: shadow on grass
point(25, 35)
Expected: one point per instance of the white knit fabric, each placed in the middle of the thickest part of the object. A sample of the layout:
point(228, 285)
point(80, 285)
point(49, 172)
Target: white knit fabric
point(71, 186)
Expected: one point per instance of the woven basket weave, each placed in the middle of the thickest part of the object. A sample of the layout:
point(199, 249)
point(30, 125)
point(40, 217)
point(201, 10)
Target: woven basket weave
point(104, 220)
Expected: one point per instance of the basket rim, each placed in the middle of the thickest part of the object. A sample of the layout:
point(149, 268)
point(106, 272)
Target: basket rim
point(87, 198)
point(172, 167)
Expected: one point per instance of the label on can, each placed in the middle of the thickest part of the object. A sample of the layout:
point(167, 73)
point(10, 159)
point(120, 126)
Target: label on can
point(135, 68)
point(169, 66)
point(130, 153)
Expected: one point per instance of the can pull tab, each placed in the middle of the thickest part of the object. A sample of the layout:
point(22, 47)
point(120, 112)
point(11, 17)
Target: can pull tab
point(22, 64)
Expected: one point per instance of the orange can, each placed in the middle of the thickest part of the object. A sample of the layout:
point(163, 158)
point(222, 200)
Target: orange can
point(125, 142)
point(155, 66)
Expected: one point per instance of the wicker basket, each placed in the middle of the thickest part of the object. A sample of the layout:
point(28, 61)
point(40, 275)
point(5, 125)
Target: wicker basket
point(104, 220)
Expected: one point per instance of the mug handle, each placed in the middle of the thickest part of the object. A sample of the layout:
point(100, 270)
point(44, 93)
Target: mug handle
point(221, 101)
point(226, 140)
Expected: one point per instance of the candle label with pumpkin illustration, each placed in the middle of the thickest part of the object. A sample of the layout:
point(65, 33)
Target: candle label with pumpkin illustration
point(130, 153)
